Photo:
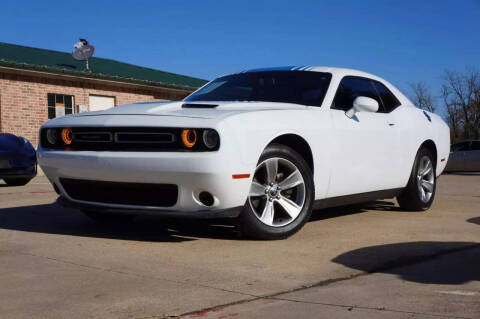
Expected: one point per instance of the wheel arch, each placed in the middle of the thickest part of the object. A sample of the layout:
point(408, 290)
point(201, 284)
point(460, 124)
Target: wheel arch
point(430, 145)
point(298, 144)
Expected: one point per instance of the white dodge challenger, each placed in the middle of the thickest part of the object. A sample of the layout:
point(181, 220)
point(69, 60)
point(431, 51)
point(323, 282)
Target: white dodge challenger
point(265, 146)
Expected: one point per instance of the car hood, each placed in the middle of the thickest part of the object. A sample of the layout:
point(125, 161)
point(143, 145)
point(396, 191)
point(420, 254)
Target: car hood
point(208, 110)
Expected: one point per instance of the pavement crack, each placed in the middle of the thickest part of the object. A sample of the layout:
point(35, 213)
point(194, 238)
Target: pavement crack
point(352, 307)
point(403, 262)
point(131, 274)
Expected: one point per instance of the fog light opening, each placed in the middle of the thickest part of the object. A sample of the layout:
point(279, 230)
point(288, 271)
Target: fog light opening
point(206, 198)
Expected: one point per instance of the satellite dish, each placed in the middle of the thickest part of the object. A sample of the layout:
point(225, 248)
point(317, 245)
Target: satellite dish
point(83, 51)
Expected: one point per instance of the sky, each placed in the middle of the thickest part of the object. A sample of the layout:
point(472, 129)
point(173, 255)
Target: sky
point(401, 41)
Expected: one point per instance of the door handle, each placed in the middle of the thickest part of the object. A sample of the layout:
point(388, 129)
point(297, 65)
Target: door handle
point(391, 124)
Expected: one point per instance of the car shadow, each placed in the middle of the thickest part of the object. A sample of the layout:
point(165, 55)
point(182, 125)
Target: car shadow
point(380, 205)
point(446, 263)
point(474, 220)
point(53, 219)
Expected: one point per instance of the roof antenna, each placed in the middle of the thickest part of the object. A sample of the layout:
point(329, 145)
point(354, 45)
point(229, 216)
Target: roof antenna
point(83, 51)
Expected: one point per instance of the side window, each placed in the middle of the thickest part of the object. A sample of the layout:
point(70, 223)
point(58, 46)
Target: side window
point(475, 146)
point(351, 87)
point(390, 102)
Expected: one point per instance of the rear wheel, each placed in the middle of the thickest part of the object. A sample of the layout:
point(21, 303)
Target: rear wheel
point(108, 217)
point(420, 190)
point(17, 181)
point(281, 195)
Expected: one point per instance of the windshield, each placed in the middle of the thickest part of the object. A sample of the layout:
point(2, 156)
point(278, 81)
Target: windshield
point(301, 87)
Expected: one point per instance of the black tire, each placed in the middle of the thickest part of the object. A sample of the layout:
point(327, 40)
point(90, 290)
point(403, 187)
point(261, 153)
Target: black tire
point(250, 224)
point(410, 198)
point(108, 218)
point(17, 181)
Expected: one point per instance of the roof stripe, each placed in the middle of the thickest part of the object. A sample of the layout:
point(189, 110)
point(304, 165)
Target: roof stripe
point(280, 68)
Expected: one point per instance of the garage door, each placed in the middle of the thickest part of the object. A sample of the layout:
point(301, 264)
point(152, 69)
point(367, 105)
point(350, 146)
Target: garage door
point(99, 102)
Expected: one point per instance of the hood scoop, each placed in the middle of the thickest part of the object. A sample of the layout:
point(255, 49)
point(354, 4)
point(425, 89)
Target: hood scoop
point(198, 106)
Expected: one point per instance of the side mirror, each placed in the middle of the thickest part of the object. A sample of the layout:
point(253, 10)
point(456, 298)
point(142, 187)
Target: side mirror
point(362, 104)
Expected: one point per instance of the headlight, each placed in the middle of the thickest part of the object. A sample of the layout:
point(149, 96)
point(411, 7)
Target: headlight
point(67, 135)
point(52, 136)
point(211, 139)
point(189, 137)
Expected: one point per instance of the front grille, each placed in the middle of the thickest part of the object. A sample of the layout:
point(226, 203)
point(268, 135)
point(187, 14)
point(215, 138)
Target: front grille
point(127, 139)
point(137, 194)
point(92, 137)
point(120, 139)
point(144, 137)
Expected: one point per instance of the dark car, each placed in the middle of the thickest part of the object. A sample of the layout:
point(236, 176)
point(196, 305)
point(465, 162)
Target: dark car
point(464, 156)
point(18, 161)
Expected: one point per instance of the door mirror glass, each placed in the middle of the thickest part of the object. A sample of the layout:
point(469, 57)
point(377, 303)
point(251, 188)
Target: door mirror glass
point(362, 104)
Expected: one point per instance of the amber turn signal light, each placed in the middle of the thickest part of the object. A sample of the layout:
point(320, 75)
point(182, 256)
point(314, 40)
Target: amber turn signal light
point(67, 135)
point(189, 137)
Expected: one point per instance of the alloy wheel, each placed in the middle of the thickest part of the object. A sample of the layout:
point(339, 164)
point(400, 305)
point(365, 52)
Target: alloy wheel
point(425, 179)
point(277, 193)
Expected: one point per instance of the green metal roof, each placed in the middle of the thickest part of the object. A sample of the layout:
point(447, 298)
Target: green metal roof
point(18, 56)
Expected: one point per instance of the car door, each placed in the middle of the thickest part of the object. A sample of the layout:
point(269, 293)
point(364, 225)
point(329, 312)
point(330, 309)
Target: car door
point(472, 157)
point(365, 147)
point(456, 159)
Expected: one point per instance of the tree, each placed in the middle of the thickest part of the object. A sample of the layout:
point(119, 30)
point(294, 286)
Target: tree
point(422, 96)
point(461, 96)
point(452, 114)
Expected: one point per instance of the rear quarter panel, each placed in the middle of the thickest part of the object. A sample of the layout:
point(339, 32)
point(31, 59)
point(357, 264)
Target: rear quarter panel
point(420, 130)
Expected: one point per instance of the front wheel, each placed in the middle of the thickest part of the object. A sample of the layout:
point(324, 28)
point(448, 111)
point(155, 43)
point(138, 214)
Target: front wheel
point(421, 187)
point(281, 195)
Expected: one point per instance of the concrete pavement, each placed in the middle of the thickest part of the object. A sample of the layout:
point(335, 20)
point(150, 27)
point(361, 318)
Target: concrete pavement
point(364, 261)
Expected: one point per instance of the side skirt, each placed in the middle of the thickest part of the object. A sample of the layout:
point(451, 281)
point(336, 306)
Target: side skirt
point(355, 198)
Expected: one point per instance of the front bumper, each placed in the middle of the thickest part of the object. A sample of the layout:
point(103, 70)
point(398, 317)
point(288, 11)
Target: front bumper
point(24, 172)
point(202, 214)
point(14, 166)
point(192, 172)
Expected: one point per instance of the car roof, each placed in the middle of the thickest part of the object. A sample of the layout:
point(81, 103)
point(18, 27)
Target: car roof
point(339, 73)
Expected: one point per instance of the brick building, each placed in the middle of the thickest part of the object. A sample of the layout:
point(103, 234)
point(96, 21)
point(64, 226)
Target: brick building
point(37, 85)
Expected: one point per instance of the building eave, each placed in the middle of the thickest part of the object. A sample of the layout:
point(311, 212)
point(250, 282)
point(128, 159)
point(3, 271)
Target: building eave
point(83, 76)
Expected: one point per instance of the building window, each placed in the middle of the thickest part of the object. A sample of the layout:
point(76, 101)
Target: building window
point(59, 105)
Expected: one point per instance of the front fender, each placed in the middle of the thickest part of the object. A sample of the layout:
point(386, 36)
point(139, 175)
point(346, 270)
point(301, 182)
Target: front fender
point(252, 132)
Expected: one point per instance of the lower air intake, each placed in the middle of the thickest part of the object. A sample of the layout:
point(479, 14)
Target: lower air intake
point(137, 194)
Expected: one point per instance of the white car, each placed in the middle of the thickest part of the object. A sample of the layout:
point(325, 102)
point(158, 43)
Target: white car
point(265, 146)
